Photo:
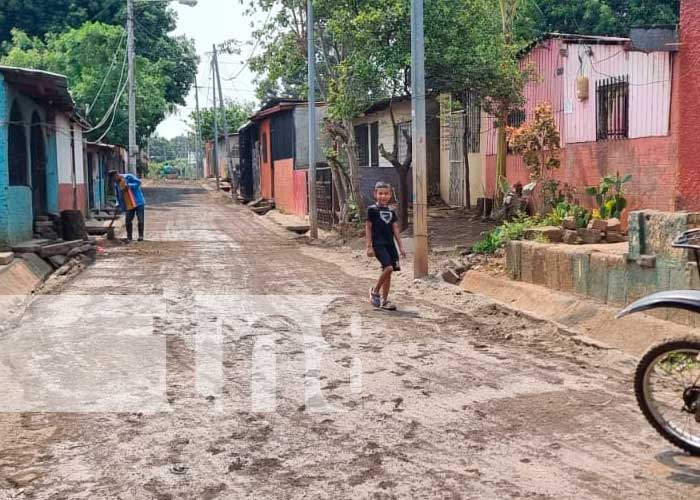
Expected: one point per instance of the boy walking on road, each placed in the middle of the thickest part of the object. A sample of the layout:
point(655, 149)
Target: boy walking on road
point(130, 199)
point(381, 230)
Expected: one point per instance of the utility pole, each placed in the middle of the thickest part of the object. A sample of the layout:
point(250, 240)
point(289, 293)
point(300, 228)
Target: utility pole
point(313, 213)
point(229, 163)
point(131, 50)
point(216, 137)
point(198, 131)
point(420, 159)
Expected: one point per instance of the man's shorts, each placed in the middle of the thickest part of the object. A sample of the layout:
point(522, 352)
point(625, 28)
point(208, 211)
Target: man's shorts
point(387, 256)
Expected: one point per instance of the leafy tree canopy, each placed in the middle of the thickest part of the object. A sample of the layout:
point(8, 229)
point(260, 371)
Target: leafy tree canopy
point(154, 20)
point(594, 17)
point(237, 115)
point(92, 58)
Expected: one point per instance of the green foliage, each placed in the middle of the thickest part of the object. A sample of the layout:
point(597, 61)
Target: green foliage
point(174, 56)
point(594, 17)
point(564, 210)
point(508, 231)
point(538, 142)
point(92, 58)
point(610, 196)
point(237, 115)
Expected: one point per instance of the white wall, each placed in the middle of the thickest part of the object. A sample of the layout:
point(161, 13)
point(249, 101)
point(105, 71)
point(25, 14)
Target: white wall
point(402, 113)
point(63, 146)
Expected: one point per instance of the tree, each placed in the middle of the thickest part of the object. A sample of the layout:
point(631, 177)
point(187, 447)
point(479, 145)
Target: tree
point(42, 19)
point(237, 115)
point(594, 17)
point(92, 58)
point(539, 143)
point(469, 59)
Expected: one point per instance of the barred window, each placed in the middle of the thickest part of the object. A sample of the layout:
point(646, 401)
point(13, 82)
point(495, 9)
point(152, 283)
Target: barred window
point(613, 107)
point(516, 118)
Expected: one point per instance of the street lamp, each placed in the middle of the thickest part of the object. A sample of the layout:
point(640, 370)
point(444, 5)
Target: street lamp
point(133, 151)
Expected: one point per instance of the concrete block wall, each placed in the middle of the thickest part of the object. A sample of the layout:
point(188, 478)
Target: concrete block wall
point(650, 265)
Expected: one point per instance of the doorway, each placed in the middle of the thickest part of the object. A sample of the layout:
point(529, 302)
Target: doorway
point(39, 167)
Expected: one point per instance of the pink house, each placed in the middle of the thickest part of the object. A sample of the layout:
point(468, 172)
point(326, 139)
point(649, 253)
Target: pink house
point(616, 107)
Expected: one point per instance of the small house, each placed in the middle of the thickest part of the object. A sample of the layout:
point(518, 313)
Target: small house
point(277, 141)
point(41, 151)
point(210, 169)
point(374, 129)
point(100, 159)
point(616, 106)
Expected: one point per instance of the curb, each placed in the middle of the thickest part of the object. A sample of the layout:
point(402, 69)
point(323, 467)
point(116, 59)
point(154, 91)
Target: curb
point(584, 320)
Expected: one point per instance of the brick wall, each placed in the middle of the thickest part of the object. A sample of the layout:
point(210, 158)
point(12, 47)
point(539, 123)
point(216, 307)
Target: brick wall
point(688, 184)
point(652, 162)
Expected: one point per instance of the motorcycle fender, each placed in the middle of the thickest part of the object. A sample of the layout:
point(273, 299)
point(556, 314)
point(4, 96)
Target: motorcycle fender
point(688, 300)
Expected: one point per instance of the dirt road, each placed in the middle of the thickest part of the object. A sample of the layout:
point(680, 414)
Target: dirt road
point(450, 398)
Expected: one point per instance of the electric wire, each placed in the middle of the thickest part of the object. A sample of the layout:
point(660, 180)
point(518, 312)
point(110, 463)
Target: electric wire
point(109, 71)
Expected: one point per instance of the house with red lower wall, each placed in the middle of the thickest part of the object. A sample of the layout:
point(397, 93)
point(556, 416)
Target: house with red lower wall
point(41, 152)
point(616, 103)
point(282, 152)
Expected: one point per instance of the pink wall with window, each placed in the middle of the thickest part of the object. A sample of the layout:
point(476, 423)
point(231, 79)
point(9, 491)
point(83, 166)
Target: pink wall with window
point(650, 151)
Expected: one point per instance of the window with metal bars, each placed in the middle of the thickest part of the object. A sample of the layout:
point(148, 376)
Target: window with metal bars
point(516, 118)
point(612, 95)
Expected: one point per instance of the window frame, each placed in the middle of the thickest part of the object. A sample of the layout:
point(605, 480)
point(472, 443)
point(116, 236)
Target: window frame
point(370, 157)
point(613, 101)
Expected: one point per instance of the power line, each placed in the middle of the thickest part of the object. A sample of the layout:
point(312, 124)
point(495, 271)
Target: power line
point(109, 71)
point(252, 53)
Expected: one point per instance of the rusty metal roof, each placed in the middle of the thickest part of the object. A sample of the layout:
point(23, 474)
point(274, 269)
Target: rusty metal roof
point(44, 86)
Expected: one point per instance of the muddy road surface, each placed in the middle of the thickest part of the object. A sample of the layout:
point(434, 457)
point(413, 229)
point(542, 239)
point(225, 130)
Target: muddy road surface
point(222, 359)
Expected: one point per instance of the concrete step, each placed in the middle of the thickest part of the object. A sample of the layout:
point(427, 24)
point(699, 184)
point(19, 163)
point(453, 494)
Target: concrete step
point(59, 248)
point(31, 246)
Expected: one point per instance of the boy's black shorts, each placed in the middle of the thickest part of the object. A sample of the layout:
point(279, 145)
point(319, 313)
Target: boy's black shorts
point(387, 256)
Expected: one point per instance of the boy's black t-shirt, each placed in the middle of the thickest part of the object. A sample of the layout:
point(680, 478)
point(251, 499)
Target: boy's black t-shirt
point(382, 219)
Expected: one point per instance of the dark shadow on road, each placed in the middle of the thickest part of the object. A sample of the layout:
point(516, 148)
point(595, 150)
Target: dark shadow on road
point(686, 471)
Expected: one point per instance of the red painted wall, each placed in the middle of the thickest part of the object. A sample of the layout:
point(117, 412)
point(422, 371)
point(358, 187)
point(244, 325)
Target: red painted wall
point(301, 189)
point(65, 197)
point(688, 182)
point(652, 161)
point(266, 172)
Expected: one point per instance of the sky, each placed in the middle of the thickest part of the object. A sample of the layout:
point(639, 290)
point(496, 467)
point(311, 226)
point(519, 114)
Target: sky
point(209, 22)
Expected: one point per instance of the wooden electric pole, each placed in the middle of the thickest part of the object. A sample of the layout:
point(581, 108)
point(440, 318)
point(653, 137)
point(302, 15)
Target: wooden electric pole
point(420, 159)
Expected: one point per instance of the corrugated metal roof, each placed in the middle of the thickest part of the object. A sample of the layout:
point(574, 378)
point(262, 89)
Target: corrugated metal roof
point(574, 38)
point(41, 85)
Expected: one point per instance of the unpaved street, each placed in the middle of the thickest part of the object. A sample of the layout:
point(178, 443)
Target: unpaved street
point(450, 398)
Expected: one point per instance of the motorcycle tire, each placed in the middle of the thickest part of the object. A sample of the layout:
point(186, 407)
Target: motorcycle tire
point(653, 354)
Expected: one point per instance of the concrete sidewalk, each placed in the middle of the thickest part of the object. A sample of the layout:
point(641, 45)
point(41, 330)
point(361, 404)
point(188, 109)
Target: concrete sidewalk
point(633, 334)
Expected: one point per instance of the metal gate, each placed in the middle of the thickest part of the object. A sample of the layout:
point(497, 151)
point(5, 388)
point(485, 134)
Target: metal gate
point(324, 198)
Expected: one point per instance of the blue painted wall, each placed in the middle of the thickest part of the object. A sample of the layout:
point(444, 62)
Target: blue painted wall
point(4, 173)
point(16, 212)
point(21, 222)
point(52, 171)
